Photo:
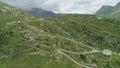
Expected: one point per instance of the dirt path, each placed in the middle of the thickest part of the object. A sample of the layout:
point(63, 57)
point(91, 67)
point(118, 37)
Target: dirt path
point(80, 53)
point(81, 65)
point(116, 54)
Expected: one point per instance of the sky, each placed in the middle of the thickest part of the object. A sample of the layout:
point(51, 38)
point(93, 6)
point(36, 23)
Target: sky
point(63, 6)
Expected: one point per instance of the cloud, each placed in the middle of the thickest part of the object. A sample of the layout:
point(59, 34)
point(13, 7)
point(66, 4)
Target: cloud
point(64, 6)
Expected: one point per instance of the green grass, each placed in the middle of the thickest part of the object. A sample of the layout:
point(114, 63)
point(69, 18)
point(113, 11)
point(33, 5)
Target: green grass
point(32, 44)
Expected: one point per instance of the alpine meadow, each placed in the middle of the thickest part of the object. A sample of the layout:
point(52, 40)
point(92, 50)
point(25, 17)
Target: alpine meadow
point(40, 38)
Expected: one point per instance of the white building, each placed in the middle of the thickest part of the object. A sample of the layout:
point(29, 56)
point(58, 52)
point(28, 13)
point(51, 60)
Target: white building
point(107, 52)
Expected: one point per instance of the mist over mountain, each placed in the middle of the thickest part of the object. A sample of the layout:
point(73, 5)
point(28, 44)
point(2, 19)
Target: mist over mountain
point(63, 6)
point(40, 11)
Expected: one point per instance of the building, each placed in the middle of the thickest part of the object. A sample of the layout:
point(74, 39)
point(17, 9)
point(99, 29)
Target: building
point(107, 52)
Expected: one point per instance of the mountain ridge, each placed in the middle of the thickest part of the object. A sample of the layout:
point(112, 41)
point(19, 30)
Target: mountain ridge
point(40, 11)
point(108, 10)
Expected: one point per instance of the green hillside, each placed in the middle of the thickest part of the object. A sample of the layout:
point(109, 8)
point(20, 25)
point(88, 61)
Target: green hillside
point(60, 41)
point(115, 15)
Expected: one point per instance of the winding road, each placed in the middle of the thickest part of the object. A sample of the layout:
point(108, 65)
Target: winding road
point(81, 65)
point(61, 51)
point(80, 53)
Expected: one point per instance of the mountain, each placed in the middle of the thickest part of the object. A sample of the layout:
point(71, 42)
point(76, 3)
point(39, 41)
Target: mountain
point(105, 10)
point(109, 11)
point(40, 11)
point(59, 41)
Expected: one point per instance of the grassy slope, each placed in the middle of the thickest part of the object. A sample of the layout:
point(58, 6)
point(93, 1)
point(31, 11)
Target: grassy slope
point(33, 42)
point(115, 15)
